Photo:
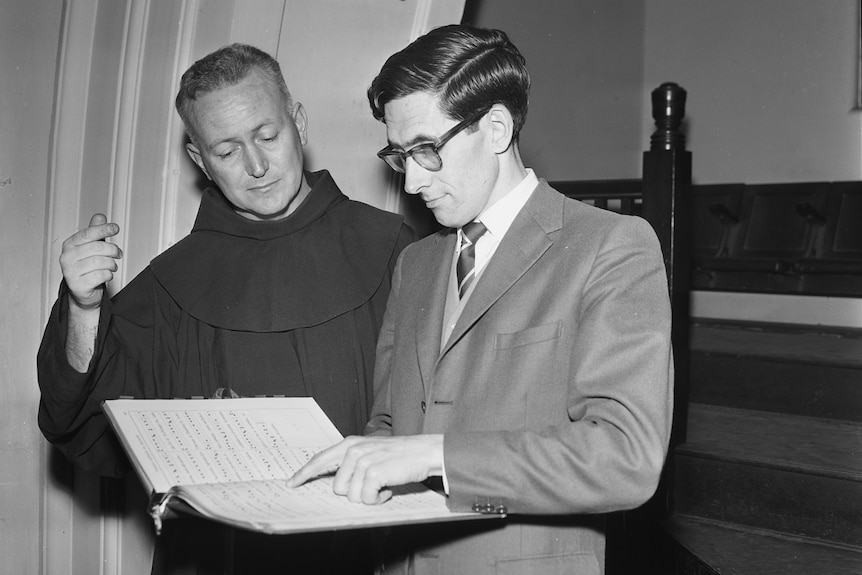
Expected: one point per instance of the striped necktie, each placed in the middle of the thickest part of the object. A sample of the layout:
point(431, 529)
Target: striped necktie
point(467, 258)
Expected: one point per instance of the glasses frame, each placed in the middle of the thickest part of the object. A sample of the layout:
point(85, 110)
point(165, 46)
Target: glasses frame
point(391, 157)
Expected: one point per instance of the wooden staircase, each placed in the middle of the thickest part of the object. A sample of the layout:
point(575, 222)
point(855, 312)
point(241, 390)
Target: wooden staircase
point(769, 478)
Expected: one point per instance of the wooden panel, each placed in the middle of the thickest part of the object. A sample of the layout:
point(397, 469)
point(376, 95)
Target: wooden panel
point(731, 550)
point(715, 213)
point(835, 264)
point(776, 225)
point(846, 205)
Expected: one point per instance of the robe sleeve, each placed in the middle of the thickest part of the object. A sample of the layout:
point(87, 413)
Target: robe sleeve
point(70, 407)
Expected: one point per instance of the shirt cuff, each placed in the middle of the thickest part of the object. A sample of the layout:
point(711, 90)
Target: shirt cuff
point(445, 481)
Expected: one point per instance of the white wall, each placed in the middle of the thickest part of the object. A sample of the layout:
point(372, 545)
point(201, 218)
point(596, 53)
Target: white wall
point(588, 97)
point(770, 83)
point(28, 49)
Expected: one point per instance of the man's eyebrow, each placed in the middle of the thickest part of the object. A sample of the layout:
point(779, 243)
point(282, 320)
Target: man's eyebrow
point(415, 141)
point(232, 139)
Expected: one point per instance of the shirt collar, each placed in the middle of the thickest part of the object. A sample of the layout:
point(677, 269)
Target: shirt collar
point(501, 214)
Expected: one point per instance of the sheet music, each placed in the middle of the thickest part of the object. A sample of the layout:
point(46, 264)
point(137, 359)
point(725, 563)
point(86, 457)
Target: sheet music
point(271, 506)
point(186, 442)
point(229, 459)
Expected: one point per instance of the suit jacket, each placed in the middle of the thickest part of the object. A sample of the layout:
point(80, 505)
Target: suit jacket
point(554, 391)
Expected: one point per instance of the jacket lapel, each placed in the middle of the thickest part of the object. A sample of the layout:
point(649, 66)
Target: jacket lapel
point(430, 328)
point(524, 243)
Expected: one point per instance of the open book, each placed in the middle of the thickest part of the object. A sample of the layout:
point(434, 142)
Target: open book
point(228, 459)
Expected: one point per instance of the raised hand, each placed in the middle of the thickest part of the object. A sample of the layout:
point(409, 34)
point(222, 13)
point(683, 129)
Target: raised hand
point(88, 262)
point(367, 466)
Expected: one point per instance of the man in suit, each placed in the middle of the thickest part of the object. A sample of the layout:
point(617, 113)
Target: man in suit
point(539, 385)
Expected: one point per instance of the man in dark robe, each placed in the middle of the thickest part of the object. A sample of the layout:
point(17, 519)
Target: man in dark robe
point(279, 289)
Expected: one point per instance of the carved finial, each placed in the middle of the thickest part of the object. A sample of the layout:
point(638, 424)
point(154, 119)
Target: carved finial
point(668, 111)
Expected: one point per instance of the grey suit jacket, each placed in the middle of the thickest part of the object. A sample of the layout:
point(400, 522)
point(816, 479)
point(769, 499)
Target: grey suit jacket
point(554, 391)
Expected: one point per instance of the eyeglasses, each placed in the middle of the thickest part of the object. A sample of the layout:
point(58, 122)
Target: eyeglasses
point(426, 155)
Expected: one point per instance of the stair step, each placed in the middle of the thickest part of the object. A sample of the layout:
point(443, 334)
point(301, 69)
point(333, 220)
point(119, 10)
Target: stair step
point(787, 473)
point(784, 342)
point(716, 548)
point(824, 446)
point(787, 369)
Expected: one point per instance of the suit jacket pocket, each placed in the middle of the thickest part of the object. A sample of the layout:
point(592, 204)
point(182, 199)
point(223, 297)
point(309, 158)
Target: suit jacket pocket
point(535, 334)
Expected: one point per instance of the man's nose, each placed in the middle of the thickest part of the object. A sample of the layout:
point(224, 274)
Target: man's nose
point(415, 176)
point(256, 164)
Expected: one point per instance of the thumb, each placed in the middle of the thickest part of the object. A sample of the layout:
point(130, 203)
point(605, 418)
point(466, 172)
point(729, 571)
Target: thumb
point(98, 219)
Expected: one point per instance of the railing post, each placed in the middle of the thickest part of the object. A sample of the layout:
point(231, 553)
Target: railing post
point(666, 205)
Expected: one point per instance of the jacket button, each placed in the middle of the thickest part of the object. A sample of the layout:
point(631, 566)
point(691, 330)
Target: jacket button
point(423, 407)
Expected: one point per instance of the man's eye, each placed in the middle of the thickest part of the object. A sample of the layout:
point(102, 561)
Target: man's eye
point(269, 138)
point(422, 150)
point(227, 154)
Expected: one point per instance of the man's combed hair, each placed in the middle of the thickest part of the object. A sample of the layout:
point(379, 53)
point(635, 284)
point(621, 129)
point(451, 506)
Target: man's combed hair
point(468, 69)
point(227, 66)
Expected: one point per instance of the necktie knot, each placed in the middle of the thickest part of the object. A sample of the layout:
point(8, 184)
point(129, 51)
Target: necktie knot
point(473, 231)
point(467, 258)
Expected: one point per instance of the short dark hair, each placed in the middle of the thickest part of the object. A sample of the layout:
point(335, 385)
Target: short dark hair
point(467, 68)
point(227, 66)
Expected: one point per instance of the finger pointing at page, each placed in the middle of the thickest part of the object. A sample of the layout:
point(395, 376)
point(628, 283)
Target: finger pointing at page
point(323, 462)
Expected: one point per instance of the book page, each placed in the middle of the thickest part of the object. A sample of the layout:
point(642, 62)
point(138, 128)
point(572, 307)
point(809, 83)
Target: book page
point(273, 507)
point(194, 441)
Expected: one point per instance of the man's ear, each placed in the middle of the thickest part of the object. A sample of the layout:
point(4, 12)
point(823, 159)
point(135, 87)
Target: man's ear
point(195, 154)
point(502, 128)
point(301, 121)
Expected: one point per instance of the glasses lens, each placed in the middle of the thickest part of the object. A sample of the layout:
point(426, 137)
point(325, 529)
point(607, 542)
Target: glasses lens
point(395, 161)
point(427, 157)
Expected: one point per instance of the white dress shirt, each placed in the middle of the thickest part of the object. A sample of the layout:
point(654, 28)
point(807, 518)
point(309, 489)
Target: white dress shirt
point(497, 219)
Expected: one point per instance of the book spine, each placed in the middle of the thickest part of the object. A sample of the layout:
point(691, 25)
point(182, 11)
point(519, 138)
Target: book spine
point(158, 508)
